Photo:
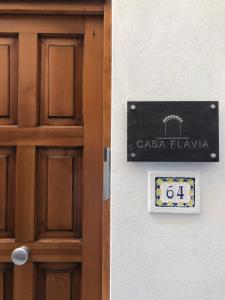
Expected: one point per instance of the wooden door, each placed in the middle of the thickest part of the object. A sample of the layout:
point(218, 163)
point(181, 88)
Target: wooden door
point(51, 156)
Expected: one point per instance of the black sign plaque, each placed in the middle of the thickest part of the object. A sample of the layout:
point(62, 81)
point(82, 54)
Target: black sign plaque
point(173, 131)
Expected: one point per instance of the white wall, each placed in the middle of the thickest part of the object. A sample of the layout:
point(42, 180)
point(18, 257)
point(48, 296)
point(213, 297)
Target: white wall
point(167, 50)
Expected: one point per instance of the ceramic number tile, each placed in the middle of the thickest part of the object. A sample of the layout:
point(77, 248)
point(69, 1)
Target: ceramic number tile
point(174, 192)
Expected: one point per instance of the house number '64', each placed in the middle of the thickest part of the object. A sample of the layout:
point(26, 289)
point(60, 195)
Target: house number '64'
point(173, 194)
point(179, 193)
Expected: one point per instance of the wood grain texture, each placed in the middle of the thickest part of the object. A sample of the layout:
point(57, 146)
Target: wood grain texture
point(58, 281)
point(93, 160)
point(25, 193)
point(42, 24)
point(68, 178)
point(8, 80)
point(27, 104)
point(3, 192)
point(58, 285)
point(59, 193)
point(2, 288)
point(42, 136)
point(24, 282)
point(6, 281)
point(4, 80)
point(7, 193)
point(61, 81)
point(45, 250)
point(80, 7)
point(60, 186)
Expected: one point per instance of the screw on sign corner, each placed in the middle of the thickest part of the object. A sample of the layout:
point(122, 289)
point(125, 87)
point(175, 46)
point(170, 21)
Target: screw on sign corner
point(213, 155)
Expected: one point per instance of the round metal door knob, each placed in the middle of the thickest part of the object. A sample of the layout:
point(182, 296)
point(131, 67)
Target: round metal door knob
point(20, 255)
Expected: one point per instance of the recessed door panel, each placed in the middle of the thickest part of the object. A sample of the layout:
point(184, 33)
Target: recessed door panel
point(7, 192)
point(58, 281)
point(59, 193)
point(4, 79)
point(8, 80)
point(6, 281)
point(61, 80)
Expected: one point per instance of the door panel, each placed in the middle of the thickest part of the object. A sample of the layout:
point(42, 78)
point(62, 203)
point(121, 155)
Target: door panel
point(58, 281)
point(7, 193)
point(59, 177)
point(8, 79)
point(6, 281)
point(61, 80)
point(51, 156)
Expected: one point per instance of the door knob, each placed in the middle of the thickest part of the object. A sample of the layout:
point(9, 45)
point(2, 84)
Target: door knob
point(20, 255)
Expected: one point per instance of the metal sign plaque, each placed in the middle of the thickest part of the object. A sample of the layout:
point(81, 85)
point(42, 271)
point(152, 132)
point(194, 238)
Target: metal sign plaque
point(173, 131)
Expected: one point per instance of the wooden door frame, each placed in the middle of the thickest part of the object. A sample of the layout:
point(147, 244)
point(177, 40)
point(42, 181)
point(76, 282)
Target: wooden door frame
point(107, 67)
point(101, 8)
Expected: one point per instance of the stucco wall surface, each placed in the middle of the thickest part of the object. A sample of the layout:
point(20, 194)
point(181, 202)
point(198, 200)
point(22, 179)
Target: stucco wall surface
point(167, 50)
